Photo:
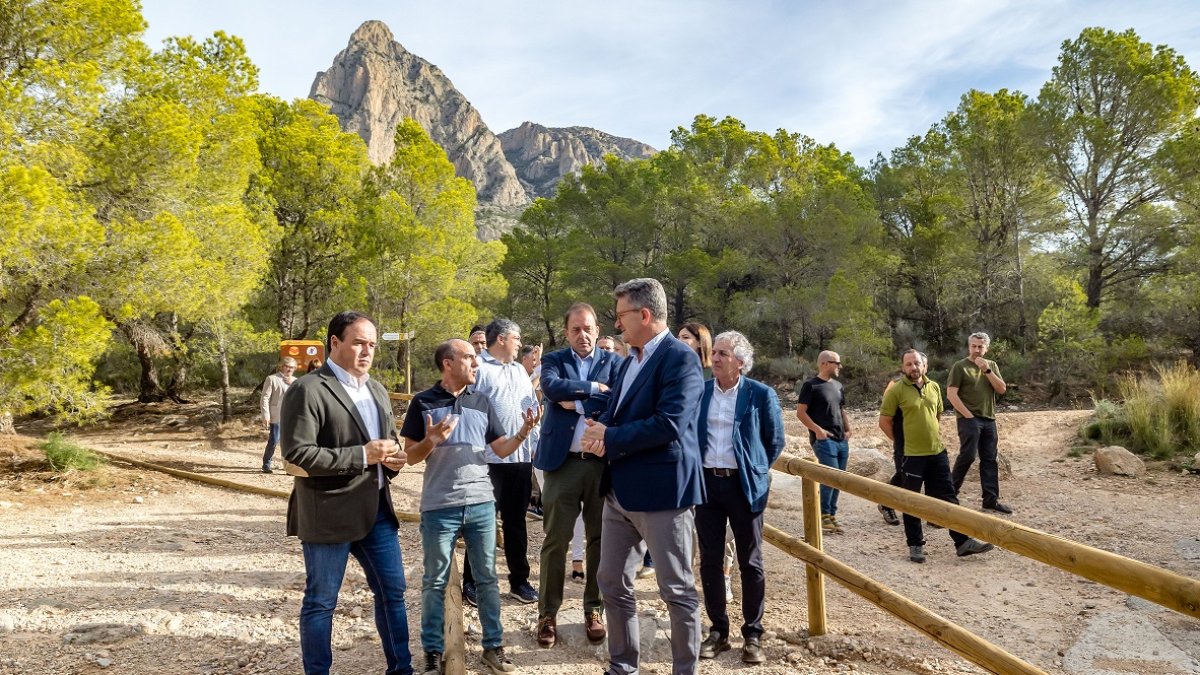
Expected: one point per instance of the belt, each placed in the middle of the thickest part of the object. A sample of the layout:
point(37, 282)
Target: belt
point(585, 456)
point(721, 473)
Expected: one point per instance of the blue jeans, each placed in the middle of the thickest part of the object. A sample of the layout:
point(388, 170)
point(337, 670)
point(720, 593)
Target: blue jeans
point(325, 566)
point(272, 441)
point(833, 454)
point(440, 529)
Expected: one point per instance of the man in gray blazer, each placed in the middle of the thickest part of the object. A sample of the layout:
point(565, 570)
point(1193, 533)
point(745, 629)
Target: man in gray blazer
point(342, 435)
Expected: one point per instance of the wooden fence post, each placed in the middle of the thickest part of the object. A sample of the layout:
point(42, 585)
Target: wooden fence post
point(455, 657)
point(817, 624)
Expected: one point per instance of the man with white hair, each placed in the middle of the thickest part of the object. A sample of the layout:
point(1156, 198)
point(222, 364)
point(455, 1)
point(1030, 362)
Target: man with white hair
point(971, 388)
point(741, 436)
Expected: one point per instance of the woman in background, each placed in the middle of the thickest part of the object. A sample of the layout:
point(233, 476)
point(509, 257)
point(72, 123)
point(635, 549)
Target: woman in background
point(697, 337)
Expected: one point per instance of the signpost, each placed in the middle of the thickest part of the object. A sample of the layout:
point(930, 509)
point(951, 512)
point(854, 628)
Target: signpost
point(407, 336)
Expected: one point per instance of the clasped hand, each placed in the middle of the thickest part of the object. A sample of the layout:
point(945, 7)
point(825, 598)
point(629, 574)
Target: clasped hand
point(593, 438)
point(387, 452)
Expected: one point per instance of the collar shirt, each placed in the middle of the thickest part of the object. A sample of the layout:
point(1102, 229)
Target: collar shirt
point(364, 402)
point(638, 358)
point(510, 393)
point(721, 418)
point(584, 364)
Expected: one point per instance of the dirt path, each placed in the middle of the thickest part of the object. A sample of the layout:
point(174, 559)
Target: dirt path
point(189, 579)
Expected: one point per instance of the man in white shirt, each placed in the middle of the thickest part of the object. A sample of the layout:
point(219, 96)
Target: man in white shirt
point(741, 436)
point(503, 380)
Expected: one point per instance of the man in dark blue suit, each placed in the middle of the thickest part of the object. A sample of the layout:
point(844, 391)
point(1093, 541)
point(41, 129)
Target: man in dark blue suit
point(653, 481)
point(576, 381)
point(741, 436)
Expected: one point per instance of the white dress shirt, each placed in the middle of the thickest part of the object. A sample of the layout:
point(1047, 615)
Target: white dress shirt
point(364, 402)
point(584, 364)
point(510, 394)
point(721, 410)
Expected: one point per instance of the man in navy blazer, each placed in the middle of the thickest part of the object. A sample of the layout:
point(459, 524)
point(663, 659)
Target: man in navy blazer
point(648, 436)
point(576, 381)
point(741, 436)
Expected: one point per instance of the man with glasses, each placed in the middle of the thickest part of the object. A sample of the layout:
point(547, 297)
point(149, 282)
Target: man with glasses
point(273, 389)
point(822, 409)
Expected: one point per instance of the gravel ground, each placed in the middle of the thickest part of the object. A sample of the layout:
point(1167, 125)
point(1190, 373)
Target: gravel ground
point(144, 573)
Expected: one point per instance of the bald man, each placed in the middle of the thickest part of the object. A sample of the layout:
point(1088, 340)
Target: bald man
point(822, 409)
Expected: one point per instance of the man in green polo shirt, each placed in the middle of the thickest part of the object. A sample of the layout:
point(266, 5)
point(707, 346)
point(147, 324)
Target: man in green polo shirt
point(925, 460)
point(971, 388)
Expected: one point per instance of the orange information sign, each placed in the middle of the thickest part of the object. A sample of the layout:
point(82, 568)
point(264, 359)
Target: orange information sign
point(306, 352)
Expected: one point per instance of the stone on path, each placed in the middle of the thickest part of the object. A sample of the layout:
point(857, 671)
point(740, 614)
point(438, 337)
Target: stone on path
point(1115, 460)
point(1123, 643)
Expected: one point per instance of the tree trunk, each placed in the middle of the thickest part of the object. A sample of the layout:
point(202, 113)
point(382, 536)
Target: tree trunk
point(149, 390)
point(223, 359)
point(182, 359)
point(1023, 325)
point(6, 423)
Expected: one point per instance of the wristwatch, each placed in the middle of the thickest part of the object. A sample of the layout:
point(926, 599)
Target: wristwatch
point(987, 371)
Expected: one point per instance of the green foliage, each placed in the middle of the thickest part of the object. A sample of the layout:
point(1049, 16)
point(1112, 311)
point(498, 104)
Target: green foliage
point(48, 365)
point(1159, 414)
point(63, 455)
point(1069, 340)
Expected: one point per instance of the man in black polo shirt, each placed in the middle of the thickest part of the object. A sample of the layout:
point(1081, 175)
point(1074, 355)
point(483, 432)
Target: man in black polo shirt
point(822, 409)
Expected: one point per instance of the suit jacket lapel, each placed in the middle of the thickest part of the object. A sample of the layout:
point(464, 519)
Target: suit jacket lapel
point(743, 401)
point(572, 370)
point(339, 392)
point(702, 430)
point(383, 404)
point(644, 374)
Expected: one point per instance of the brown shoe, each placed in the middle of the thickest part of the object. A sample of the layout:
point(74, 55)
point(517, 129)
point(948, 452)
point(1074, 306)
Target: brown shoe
point(593, 625)
point(547, 634)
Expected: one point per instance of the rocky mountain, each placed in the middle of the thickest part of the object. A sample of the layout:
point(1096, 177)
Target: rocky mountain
point(543, 155)
point(374, 83)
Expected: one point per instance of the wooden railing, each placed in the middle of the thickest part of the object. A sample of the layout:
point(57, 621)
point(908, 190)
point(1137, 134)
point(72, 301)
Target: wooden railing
point(1155, 584)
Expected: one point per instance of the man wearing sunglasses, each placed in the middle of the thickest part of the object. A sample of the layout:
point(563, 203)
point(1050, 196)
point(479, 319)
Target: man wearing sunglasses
point(822, 409)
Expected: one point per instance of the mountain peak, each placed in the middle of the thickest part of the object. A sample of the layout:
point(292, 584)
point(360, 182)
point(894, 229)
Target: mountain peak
point(373, 32)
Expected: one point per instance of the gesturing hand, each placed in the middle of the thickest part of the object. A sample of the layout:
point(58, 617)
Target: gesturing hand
point(380, 449)
point(531, 417)
point(438, 433)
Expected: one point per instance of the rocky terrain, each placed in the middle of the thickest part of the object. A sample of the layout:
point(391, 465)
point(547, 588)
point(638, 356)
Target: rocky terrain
point(542, 155)
point(132, 571)
point(375, 82)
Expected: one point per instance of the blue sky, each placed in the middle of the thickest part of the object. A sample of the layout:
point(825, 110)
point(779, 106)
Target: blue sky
point(863, 75)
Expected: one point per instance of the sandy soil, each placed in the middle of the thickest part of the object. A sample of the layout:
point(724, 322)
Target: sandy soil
point(136, 572)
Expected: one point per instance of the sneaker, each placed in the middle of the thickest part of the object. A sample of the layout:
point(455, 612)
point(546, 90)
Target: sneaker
point(267, 468)
point(433, 663)
point(646, 571)
point(524, 593)
point(534, 511)
point(728, 589)
point(714, 644)
point(972, 546)
point(752, 651)
point(578, 576)
point(837, 527)
point(827, 525)
point(889, 515)
point(916, 554)
point(997, 507)
point(470, 596)
point(497, 661)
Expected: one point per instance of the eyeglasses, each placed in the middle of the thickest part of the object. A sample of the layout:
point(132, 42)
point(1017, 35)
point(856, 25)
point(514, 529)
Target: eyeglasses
point(620, 314)
point(836, 363)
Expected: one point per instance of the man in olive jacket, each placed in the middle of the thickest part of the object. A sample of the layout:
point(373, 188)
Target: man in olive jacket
point(339, 432)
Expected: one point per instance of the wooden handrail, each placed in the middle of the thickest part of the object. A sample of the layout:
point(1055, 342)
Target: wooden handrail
point(962, 641)
point(1134, 577)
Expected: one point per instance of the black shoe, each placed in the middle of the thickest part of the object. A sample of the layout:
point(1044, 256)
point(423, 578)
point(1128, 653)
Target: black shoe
point(524, 593)
point(267, 468)
point(972, 546)
point(752, 651)
point(470, 596)
point(997, 507)
point(889, 515)
point(576, 574)
point(534, 511)
point(714, 644)
point(916, 554)
point(433, 663)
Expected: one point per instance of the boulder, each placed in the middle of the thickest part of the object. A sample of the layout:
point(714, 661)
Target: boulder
point(871, 463)
point(1115, 460)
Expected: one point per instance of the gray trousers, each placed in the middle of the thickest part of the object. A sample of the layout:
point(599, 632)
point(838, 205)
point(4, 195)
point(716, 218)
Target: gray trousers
point(670, 536)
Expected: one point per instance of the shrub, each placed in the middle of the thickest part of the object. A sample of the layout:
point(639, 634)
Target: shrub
point(64, 455)
point(1181, 400)
point(1159, 416)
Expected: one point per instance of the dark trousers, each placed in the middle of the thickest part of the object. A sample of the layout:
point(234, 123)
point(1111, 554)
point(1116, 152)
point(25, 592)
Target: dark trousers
point(932, 471)
point(977, 437)
point(272, 441)
point(570, 489)
point(511, 485)
point(727, 503)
